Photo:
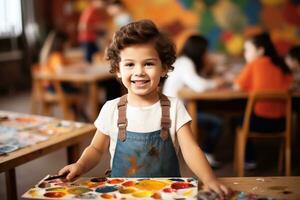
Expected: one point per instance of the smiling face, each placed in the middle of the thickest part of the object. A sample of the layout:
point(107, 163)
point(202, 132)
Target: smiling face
point(140, 70)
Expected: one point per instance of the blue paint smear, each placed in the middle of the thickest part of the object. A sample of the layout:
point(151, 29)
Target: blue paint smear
point(106, 189)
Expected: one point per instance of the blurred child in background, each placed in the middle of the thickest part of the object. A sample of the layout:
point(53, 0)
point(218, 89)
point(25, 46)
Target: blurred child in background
point(120, 16)
point(264, 70)
point(187, 69)
point(93, 24)
point(292, 59)
point(54, 61)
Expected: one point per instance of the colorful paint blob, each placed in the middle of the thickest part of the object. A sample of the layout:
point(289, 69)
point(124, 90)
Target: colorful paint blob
point(56, 189)
point(106, 189)
point(181, 185)
point(115, 181)
point(44, 185)
point(54, 194)
point(142, 194)
point(126, 190)
point(176, 179)
point(128, 183)
point(168, 190)
point(33, 192)
point(107, 196)
point(86, 196)
point(91, 184)
point(101, 179)
point(156, 195)
point(78, 190)
point(152, 185)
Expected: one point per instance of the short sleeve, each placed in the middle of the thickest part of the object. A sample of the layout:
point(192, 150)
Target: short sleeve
point(103, 118)
point(182, 115)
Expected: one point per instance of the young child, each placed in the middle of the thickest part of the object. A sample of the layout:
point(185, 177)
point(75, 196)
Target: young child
point(144, 130)
point(292, 60)
point(120, 16)
point(265, 70)
point(187, 69)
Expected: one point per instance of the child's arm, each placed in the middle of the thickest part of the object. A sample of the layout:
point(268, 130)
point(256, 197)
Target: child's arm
point(197, 162)
point(89, 158)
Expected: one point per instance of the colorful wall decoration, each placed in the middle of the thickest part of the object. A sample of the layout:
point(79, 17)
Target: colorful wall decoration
point(226, 23)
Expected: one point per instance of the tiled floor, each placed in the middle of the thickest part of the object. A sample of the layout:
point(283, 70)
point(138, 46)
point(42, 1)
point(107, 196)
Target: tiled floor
point(30, 173)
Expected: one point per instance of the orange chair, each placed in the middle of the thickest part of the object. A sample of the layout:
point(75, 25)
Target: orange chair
point(45, 100)
point(243, 133)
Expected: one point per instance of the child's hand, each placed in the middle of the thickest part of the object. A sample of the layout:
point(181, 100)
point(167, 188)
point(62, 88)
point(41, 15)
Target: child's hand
point(72, 171)
point(217, 187)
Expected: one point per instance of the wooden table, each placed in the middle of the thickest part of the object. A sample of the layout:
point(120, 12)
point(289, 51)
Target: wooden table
point(220, 95)
point(89, 75)
point(71, 140)
point(286, 187)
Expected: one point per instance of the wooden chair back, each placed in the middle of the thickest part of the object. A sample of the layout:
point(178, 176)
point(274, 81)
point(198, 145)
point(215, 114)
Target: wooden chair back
point(244, 133)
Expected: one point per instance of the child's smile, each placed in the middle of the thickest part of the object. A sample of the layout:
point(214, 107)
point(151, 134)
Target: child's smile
point(140, 70)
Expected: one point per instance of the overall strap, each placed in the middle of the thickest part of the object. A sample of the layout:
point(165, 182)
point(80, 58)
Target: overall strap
point(122, 120)
point(165, 116)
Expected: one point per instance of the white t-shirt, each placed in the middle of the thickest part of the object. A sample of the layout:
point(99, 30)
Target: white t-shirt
point(140, 119)
point(185, 75)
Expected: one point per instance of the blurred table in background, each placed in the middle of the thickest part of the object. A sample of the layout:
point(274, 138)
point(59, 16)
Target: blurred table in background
point(26, 137)
point(286, 187)
point(219, 100)
point(90, 75)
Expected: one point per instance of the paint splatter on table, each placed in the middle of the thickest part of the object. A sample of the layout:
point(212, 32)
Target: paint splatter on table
point(52, 187)
point(20, 130)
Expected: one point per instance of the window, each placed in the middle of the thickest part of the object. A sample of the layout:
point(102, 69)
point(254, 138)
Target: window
point(10, 18)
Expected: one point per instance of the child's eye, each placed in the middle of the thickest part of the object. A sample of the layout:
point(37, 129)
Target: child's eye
point(129, 64)
point(149, 64)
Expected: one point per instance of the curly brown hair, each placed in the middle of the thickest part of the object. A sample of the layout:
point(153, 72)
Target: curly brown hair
point(141, 32)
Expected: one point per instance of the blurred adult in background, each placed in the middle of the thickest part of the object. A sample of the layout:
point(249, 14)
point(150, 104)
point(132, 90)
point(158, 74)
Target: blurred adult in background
point(187, 69)
point(264, 70)
point(92, 24)
point(120, 15)
point(292, 60)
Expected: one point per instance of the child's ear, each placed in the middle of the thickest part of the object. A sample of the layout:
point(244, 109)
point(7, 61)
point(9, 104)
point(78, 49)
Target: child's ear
point(164, 71)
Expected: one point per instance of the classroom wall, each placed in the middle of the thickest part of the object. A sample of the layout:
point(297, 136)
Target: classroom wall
point(225, 23)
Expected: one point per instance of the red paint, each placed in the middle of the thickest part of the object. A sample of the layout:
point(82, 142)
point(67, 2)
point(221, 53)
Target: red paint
point(168, 190)
point(115, 181)
point(128, 183)
point(181, 185)
point(54, 194)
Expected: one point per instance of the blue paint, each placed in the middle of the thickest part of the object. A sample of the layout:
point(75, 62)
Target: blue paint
point(106, 189)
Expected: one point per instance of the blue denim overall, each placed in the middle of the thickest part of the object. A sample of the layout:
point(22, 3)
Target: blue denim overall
point(145, 154)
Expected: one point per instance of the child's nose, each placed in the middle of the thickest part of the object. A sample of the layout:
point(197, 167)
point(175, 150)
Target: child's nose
point(139, 70)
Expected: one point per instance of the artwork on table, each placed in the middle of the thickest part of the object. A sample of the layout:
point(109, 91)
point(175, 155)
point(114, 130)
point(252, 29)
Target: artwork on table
point(56, 187)
point(21, 130)
point(114, 188)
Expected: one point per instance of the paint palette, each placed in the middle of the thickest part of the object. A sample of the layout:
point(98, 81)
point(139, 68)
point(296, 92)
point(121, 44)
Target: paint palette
point(114, 188)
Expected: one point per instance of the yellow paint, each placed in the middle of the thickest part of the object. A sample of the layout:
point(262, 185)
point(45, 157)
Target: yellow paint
point(152, 185)
point(33, 193)
point(188, 193)
point(126, 190)
point(142, 194)
point(56, 189)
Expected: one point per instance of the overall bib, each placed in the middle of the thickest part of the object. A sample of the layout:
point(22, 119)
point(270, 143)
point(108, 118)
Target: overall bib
point(145, 154)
